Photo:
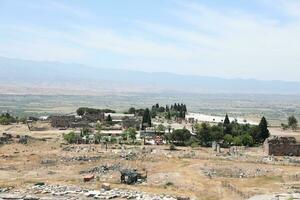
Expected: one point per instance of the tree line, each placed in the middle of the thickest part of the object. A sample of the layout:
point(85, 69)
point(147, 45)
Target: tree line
point(85, 110)
point(226, 133)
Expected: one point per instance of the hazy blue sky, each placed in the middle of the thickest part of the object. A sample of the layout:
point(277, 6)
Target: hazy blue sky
point(225, 38)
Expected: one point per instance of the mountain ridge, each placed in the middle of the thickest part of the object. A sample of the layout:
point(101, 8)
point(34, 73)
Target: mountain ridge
point(18, 72)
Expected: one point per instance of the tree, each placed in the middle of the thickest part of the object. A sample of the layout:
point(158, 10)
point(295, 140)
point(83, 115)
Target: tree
point(237, 141)
point(227, 125)
point(203, 133)
point(180, 136)
point(161, 128)
point(263, 130)
point(153, 113)
point(98, 127)
point(161, 109)
point(184, 108)
point(109, 119)
point(80, 111)
point(247, 140)
point(168, 115)
point(167, 108)
point(293, 122)
point(130, 133)
point(284, 126)
point(71, 137)
point(228, 139)
point(131, 110)
point(226, 120)
point(98, 138)
point(85, 132)
point(216, 133)
point(146, 122)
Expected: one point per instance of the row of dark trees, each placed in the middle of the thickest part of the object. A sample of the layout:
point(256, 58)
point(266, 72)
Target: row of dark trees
point(176, 110)
point(85, 110)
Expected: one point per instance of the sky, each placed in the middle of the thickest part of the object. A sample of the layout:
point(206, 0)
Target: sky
point(257, 39)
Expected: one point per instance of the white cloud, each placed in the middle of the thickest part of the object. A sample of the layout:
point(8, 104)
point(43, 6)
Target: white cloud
point(204, 41)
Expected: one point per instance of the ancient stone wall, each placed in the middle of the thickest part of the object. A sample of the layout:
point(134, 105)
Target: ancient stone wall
point(283, 149)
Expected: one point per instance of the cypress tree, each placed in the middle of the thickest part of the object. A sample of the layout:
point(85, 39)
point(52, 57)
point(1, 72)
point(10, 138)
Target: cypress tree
point(227, 126)
point(184, 108)
point(263, 129)
point(167, 108)
point(109, 119)
point(146, 122)
point(226, 120)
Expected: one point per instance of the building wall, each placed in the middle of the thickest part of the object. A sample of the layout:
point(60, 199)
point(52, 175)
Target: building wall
point(62, 121)
point(283, 149)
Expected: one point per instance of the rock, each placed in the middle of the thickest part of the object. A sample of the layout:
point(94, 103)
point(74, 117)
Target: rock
point(88, 178)
point(29, 197)
point(11, 196)
point(183, 198)
point(92, 193)
point(39, 184)
point(106, 186)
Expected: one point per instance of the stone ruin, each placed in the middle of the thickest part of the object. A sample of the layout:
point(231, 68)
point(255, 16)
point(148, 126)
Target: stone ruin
point(282, 146)
point(5, 138)
point(216, 147)
point(64, 121)
point(130, 177)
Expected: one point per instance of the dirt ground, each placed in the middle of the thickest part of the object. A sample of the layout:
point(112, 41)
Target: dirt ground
point(199, 172)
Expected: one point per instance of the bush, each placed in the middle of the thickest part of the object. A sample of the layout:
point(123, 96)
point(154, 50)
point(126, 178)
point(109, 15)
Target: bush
point(169, 184)
point(180, 136)
point(71, 137)
point(195, 145)
point(247, 140)
point(172, 147)
point(228, 140)
point(284, 126)
point(237, 141)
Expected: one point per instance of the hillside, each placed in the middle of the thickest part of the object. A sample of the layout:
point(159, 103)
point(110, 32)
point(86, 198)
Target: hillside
point(23, 76)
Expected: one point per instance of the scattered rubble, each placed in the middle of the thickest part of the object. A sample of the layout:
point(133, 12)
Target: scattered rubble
point(48, 162)
point(235, 172)
point(102, 169)
point(79, 148)
point(129, 156)
point(83, 158)
point(276, 197)
point(51, 192)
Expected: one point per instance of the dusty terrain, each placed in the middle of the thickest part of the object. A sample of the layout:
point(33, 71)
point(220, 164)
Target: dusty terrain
point(198, 173)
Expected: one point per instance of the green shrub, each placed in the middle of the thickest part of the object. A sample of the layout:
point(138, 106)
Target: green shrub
point(71, 137)
point(172, 147)
point(168, 184)
point(195, 145)
point(247, 140)
point(237, 141)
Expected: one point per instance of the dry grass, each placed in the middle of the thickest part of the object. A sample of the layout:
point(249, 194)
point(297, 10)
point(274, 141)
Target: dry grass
point(21, 166)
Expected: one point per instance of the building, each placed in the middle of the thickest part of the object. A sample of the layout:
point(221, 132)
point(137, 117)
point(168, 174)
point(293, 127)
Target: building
point(133, 122)
point(63, 121)
point(282, 146)
point(93, 117)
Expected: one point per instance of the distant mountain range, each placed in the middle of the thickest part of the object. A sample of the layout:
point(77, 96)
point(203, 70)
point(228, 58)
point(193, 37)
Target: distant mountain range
point(34, 77)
